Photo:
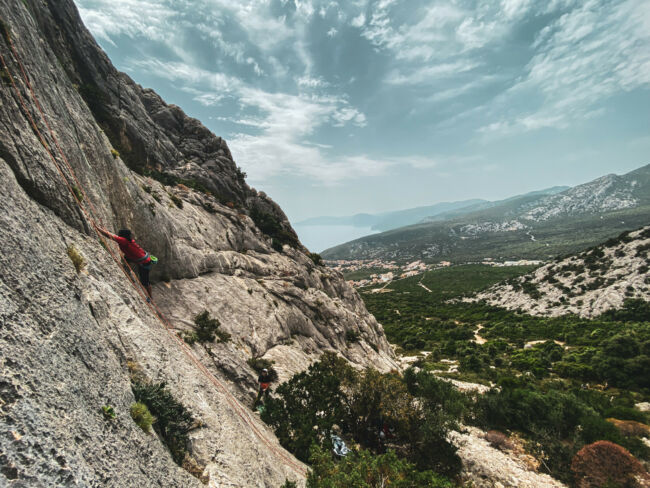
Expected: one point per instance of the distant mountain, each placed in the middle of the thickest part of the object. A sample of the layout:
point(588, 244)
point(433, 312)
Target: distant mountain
point(537, 225)
point(586, 284)
point(395, 219)
point(484, 204)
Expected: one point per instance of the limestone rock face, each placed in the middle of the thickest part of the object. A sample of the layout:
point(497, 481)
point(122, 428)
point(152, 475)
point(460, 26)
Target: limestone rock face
point(68, 337)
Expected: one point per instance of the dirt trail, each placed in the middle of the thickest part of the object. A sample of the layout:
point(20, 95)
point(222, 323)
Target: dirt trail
point(422, 285)
point(477, 337)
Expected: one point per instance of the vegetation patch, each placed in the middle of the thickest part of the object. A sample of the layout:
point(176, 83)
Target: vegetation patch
point(411, 414)
point(559, 378)
point(176, 200)
point(77, 193)
point(169, 179)
point(172, 421)
point(352, 336)
point(365, 469)
point(316, 258)
point(5, 77)
point(115, 153)
point(142, 416)
point(77, 259)
point(605, 464)
point(207, 328)
point(272, 227)
point(108, 412)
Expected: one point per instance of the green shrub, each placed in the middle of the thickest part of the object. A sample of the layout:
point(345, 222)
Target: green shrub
point(177, 201)
point(207, 328)
point(189, 337)
point(115, 153)
point(558, 422)
point(142, 416)
point(77, 193)
point(276, 244)
point(172, 420)
point(352, 336)
point(108, 412)
point(209, 207)
point(316, 258)
point(289, 484)
point(77, 259)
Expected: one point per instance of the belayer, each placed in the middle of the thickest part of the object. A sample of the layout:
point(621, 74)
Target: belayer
point(264, 379)
point(133, 253)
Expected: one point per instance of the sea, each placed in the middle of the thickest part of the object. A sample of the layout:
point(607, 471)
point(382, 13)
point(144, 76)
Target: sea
point(317, 238)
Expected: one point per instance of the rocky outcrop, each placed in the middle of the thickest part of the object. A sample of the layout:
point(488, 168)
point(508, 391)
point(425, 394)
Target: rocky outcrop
point(68, 337)
point(485, 466)
point(586, 284)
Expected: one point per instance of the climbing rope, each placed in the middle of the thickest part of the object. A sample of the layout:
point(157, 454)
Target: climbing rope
point(92, 216)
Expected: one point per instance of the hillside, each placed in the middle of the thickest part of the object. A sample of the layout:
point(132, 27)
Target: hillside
point(531, 226)
point(82, 144)
point(586, 284)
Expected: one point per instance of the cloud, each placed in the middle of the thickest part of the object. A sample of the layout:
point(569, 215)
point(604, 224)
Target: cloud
point(284, 121)
point(309, 82)
point(287, 74)
point(106, 18)
point(584, 57)
point(431, 73)
point(358, 21)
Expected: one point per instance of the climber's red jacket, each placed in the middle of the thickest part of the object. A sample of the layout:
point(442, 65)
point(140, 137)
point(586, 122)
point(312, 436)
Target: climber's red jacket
point(131, 250)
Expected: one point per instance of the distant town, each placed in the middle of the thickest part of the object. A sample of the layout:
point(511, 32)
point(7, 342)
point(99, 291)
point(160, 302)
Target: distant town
point(360, 272)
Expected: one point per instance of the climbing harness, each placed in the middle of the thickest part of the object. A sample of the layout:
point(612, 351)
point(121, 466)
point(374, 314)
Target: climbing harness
point(91, 215)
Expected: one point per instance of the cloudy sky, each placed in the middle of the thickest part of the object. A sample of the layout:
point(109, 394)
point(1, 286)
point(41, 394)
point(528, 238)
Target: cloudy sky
point(339, 107)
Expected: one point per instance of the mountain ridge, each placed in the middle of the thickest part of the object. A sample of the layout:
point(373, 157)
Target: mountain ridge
point(528, 226)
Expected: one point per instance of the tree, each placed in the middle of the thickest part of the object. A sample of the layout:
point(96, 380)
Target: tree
point(365, 470)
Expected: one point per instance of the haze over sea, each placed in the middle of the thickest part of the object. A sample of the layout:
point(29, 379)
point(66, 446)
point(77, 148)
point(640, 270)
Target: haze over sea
point(317, 238)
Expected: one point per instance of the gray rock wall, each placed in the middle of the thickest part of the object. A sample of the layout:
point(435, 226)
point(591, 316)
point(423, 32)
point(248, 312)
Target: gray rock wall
point(67, 338)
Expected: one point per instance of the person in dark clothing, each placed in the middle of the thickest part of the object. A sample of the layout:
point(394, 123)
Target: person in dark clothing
point(132, 253)
point(264, 379)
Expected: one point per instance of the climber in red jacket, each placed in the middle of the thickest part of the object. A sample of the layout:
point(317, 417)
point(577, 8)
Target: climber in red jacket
point(133, 253)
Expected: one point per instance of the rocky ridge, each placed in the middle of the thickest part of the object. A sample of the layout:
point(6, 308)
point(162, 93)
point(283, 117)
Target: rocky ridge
point(586, 284)
point(606, 194)
point(69, 337)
